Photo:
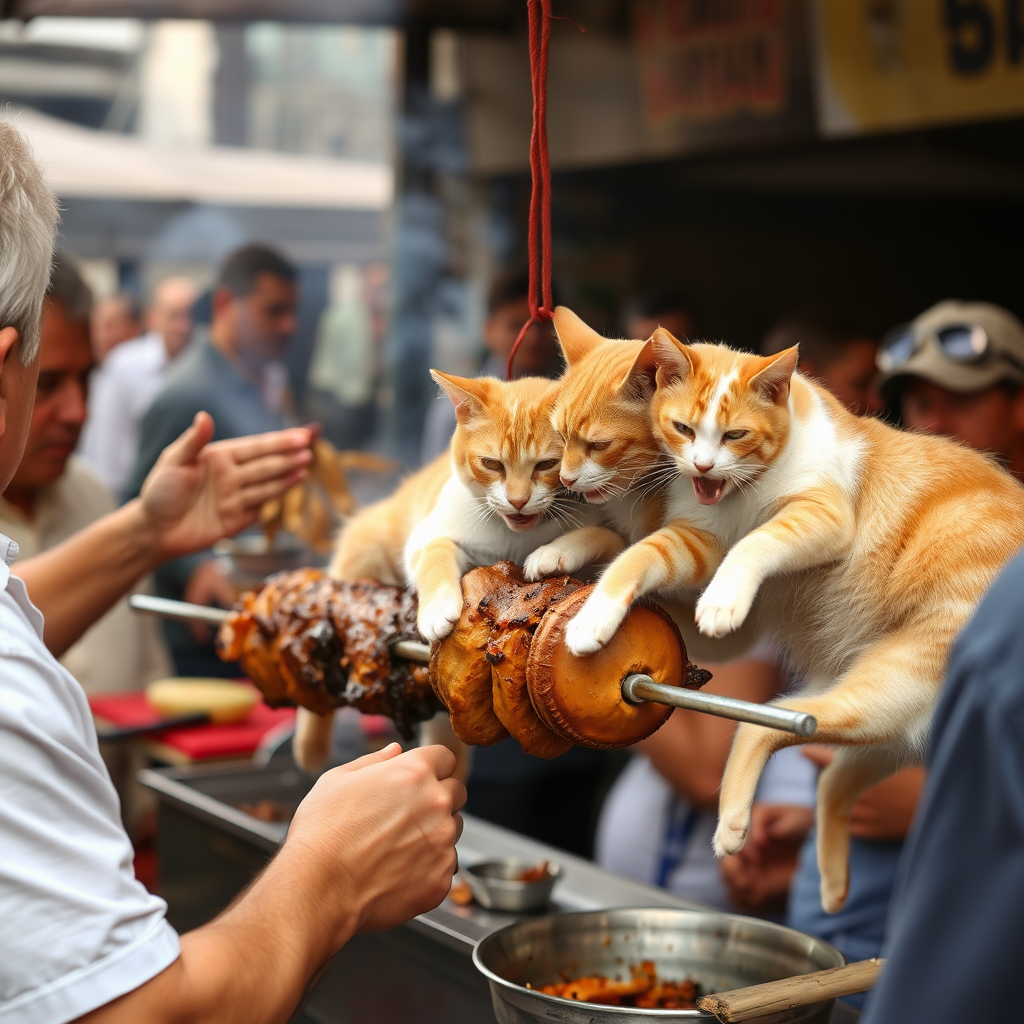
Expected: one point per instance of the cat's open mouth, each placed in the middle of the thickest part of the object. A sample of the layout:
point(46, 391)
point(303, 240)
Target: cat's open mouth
point(598, 496)
point(708, 491)
point(520, 522)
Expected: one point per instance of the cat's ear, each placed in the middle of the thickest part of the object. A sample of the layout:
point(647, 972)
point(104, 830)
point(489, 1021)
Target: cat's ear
point(467, 395)
point(773, 379)
point(672, 358)
point(575, 338)
point(639, 382)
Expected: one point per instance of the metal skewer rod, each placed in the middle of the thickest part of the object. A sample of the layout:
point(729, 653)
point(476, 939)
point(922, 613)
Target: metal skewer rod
point(177, 609)
point(636, 689)
point(639, 688)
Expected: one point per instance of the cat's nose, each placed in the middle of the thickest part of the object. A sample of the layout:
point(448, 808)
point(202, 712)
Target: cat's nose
point(704, 467)
point(567, 481)
point(517, 503)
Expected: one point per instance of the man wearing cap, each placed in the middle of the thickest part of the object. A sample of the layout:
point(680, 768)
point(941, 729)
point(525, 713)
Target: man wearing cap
point(958, 370)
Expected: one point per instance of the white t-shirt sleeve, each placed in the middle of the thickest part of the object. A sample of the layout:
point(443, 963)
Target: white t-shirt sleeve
point(76, 928)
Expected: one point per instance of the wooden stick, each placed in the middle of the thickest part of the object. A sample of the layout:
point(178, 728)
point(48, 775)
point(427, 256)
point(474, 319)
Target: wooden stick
point(775, 997)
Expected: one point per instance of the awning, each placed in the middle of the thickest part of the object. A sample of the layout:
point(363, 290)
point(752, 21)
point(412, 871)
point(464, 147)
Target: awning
point(86, 163)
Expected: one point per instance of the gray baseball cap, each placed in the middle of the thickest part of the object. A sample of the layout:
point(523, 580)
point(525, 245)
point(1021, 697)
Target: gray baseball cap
point(988, 339)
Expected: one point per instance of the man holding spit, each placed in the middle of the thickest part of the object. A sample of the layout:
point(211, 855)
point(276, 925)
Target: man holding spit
point(80, 938)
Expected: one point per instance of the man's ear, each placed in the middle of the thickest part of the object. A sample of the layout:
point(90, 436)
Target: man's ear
point(639, 382)
point(9, 348)
point(467, 395)
point(672, 358)
point(773, 379)
point(575, 338)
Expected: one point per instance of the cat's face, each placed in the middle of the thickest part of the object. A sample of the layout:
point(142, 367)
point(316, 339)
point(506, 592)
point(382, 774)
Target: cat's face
point(722, 415)
point(602, 411)
point(504, 448)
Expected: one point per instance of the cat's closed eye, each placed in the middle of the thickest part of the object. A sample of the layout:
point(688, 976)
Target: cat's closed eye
point(683, 429)
point(543, 467)
point(734, 435)
point(598, 446)
point(493, 465)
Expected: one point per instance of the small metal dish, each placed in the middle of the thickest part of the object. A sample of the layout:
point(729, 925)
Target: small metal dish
point(497, 885)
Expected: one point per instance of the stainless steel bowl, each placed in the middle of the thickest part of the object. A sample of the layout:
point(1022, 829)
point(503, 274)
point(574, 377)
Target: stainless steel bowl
point(497, 885)
point(251, 558)
point(718, 951)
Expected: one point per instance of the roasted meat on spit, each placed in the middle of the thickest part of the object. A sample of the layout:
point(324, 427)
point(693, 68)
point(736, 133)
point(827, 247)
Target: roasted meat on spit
point(504, 669)
point(306, 639)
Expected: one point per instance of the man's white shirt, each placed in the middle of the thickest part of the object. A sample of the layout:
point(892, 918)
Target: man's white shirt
point(77, 929)
point(121, 389)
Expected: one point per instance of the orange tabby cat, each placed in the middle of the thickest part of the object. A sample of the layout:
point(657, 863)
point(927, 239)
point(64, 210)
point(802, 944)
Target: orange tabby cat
point(611, 456)
point(495, 496)
point(863, 549)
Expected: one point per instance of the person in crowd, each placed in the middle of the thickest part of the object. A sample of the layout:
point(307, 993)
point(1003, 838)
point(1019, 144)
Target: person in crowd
point(114, 321)
point(233, 371)
point(660, 307)
point(126, 382)
point(958, 370)
point(956, 927)
point(54, 494)
point(81, 939)
point(508, 308)
point(839, 354)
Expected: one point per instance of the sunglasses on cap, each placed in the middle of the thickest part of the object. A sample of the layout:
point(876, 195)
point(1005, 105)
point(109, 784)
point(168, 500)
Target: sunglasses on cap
point(961, 343)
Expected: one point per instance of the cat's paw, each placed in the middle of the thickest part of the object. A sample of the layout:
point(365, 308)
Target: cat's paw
point(437, 618)
point(725, 604)
point(731, 834)
point(548, 560)
point(594, 625)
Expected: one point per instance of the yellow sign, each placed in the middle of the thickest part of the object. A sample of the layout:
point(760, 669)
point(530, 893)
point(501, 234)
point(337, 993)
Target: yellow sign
point(889, 64)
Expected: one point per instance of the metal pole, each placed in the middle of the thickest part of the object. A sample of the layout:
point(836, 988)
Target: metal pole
point(639, 688)
point(177, 609)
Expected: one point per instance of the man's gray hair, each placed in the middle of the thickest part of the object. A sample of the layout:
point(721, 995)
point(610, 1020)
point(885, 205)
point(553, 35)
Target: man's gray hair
point(28, 225)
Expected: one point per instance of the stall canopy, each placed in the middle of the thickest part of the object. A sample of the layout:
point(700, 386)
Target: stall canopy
point(480, 14)
point(85, 163)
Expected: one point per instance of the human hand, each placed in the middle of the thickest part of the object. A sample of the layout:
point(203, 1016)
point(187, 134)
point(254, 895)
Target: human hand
point(758, 877)
point(884, 812)
point(198, 493)
point(380, 833)
point(208, 585)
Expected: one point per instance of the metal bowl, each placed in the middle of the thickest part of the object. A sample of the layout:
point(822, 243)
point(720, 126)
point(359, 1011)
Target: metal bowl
point(718, 951)
point(497, 885)
point(250, 558)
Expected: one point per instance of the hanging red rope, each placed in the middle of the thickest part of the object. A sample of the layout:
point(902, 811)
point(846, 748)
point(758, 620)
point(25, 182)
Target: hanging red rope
point(539, 240)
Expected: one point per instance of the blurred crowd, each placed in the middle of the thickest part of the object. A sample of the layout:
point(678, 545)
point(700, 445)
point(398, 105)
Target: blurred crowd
point(118, 383)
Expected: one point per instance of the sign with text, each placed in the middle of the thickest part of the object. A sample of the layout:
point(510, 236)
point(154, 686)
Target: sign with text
point(893, 64)
point(701, 60)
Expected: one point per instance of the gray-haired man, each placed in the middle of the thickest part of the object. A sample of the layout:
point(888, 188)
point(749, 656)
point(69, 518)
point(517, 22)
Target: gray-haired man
point(79, 937)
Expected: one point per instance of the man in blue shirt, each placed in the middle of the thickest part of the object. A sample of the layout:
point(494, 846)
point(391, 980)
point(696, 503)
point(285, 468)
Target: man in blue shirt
point(956, 928)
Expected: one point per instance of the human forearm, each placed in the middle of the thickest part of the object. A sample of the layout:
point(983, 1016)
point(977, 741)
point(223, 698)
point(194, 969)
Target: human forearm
point(372, 845)
point(75, 583)
point(249, 966)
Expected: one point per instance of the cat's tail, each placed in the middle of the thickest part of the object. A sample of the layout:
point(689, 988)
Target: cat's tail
point(311, 745)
